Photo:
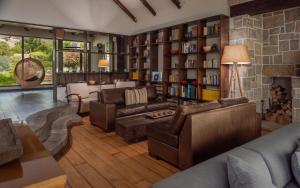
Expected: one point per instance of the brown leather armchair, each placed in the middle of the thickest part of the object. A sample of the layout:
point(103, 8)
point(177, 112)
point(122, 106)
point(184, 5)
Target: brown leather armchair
point(78, 95)
point(199, 132)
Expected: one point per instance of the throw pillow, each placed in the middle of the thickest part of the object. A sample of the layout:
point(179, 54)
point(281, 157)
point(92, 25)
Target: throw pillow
point(130, 97)
point(232, 101)
point(295, 163)
point(242, 175)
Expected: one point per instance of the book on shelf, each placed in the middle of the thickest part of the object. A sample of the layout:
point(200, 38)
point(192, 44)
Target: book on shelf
point(211, 30)
point(212, 79)
point(212, 63)
point(173, 91)
point(190, 63)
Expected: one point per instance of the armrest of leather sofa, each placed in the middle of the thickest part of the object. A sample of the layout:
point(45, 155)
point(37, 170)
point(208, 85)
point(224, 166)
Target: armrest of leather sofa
point(103, 115)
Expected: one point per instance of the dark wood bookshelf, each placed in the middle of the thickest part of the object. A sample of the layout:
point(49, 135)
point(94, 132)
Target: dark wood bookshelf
point(171, 43)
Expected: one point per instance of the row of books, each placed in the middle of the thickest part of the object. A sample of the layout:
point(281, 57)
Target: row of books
point(211, 30)
point(159, 88)
point(212, 63)
point(211, 80)
point(189, 91)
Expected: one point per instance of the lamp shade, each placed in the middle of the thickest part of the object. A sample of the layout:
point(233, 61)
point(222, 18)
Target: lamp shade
point(235, 54)
point(103, 63)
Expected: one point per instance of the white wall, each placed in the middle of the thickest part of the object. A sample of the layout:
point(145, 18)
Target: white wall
point(105, 15)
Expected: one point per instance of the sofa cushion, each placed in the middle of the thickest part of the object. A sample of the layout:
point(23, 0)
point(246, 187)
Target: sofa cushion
point(242, 175)
point(157, 105)
point(131, 110)
point(141, 96)
point(151, 93)
point(113, 96)
point(184, 110)
point(291, 184)
point(130, 97)
point(213, 172)
point(295, 163)
point(161, 132)
point(276, 148)
point(232, 101)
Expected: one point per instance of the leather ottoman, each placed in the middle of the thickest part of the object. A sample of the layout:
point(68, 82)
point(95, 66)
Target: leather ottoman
point(133, 129)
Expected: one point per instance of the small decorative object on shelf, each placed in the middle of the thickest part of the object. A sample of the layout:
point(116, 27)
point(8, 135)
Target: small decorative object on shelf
point(207, 48)
point(189, 47)
point(92, 82)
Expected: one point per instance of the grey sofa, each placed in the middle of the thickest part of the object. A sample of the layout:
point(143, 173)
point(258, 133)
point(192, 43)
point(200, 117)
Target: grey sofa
point(270, 154)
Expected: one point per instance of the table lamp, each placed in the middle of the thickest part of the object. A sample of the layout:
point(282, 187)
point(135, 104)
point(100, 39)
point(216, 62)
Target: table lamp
point(234, 55)
point(103, 63)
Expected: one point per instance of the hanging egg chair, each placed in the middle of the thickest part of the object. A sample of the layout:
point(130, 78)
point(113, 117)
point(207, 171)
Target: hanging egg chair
point(29, 72)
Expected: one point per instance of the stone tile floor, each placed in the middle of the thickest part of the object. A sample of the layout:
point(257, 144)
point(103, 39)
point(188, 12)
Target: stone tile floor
point(18, 105)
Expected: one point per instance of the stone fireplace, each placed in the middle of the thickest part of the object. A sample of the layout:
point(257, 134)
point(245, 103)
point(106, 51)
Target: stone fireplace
point(273, 40)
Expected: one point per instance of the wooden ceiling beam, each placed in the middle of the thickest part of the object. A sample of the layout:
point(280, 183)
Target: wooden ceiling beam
point(177, 3)
point(149, 7)
point(125, 10)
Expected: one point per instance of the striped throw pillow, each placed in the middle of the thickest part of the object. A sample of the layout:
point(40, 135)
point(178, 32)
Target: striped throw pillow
point(130, 98)
point(136, 96)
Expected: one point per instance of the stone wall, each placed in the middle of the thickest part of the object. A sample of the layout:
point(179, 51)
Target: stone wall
point(247, 30)
point(281, 47)
point(273, 40)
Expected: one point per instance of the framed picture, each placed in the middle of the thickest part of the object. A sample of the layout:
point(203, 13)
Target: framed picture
point(156, 76)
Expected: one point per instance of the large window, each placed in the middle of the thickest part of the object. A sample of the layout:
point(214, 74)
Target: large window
point(73, 54)
point(10, 54)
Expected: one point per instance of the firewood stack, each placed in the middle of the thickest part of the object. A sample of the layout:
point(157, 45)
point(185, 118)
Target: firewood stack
point(280, 106)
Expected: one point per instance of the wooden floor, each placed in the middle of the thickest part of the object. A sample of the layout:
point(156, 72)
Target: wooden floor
point(99, 159)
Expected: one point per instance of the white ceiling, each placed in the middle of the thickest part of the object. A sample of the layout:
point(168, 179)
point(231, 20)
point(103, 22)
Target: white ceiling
point(106, 16)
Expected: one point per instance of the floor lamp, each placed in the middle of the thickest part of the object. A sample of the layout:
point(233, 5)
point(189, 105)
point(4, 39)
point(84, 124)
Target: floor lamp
point(234, 55)
point(103, 63)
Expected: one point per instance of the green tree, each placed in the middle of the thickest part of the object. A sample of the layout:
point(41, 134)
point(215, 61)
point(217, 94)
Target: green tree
point(4, 48)
point(4, 63)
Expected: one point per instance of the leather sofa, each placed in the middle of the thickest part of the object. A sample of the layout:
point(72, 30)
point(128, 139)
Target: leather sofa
point(112, 105)
point(270, 154)
point(199, 132)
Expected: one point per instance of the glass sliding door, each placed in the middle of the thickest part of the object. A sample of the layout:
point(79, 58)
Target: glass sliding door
point(10, 55)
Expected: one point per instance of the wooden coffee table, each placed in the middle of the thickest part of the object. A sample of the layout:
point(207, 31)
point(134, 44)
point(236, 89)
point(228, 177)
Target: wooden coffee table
point(35, 168)
point(133, 128)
